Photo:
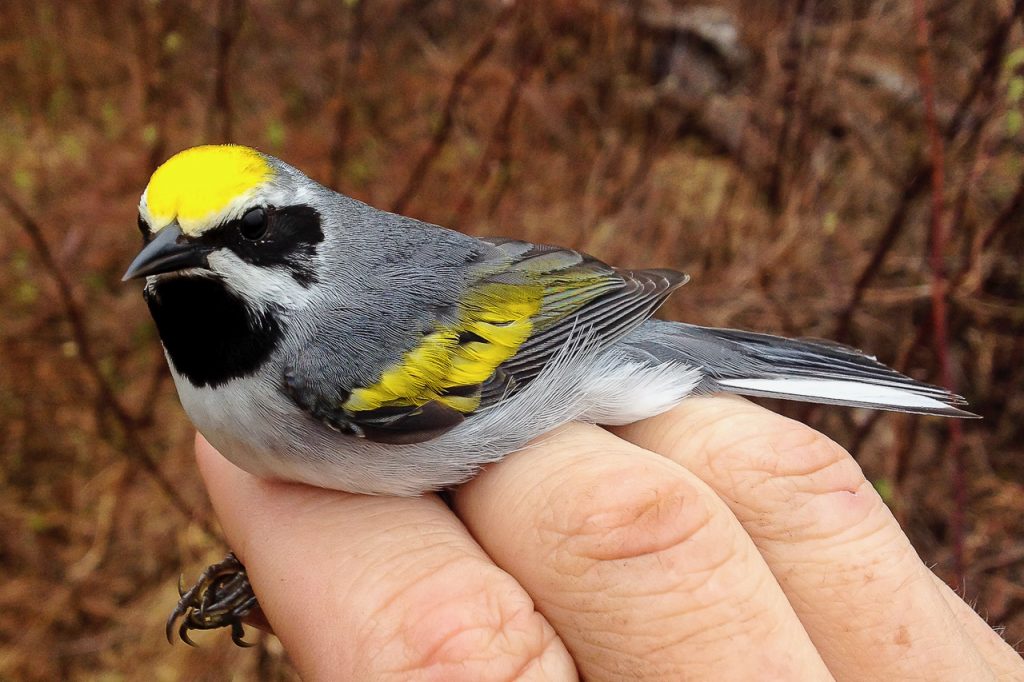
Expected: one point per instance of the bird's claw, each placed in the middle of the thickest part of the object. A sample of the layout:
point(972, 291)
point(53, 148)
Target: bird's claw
point(222, 597)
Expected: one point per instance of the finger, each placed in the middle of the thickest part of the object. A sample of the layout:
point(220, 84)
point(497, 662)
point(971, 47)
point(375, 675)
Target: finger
point(641, 569)
point(378, 588)
point(867, 600)
point(1000, 656)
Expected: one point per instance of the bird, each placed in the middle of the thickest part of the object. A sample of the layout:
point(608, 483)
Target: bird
point(317, 339)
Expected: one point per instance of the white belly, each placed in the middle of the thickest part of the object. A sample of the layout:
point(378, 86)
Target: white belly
point(261, 430)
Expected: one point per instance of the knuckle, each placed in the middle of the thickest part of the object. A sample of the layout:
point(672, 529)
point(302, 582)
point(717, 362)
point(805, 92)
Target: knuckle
point(790, 460)
point(623, 511)
point(646, 562)
point(812, 461)
point(793, 479)
point(465, 623)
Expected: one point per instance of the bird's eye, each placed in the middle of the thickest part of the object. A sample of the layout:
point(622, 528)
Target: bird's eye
point(253, 225)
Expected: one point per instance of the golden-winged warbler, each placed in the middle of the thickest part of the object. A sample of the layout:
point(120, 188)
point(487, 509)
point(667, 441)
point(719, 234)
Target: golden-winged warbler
point(315, 338)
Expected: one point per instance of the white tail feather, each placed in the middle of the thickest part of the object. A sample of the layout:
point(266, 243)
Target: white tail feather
point(837, 389)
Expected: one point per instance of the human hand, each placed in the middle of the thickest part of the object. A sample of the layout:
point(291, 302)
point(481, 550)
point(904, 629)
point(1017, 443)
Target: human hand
point(717, 541)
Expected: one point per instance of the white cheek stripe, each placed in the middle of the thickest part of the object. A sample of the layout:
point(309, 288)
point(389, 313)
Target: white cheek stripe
point(263, 287)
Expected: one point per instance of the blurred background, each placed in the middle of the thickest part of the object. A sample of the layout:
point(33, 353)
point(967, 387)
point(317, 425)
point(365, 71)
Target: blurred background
point(848, 169)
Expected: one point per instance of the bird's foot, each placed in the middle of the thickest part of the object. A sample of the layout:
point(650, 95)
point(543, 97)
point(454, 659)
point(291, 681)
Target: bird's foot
point(222, 597)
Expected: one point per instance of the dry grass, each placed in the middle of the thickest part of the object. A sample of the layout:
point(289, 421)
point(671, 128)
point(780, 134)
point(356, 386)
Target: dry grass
point(796, 196)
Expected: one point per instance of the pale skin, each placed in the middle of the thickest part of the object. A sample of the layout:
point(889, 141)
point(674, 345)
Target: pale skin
point(719, 541)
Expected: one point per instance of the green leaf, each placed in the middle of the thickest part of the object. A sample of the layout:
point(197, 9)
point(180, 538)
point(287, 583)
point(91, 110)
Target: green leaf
point(1015, 89)
point(24, 180)
point(26, 293)
point(883, 486)
point(1014, 122)
point(275, 134)
point(830, 223)
point(1014, 59)
point(172, 42)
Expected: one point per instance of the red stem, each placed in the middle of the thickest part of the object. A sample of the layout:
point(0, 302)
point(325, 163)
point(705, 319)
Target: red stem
point(939, 287)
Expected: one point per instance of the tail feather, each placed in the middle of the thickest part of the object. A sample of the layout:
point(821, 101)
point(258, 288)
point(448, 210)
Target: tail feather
point(762, 365)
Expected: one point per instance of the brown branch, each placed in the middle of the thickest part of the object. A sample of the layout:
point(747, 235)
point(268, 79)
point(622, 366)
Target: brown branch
point(444, 128)
point(905, 448)
point(939, 287)
point(654, 138)
point(137, 448)
point(157, 377)
point(346, 70)
point(656, 133)
point(498, 144)
point(793, 59)
point(153, 66)
point(972, 146)
point(988, 71)
point(1008, 217)
point(230, 15)
point(917, 178)
point(911, 191)
point(1004, 559)
point(1011, 214)
point(959, 211)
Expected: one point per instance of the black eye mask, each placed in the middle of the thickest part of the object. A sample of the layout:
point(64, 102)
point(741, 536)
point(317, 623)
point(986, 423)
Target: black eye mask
point(273, 236)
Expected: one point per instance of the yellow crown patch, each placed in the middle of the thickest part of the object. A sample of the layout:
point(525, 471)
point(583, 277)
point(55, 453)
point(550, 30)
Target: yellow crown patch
point(197, 184)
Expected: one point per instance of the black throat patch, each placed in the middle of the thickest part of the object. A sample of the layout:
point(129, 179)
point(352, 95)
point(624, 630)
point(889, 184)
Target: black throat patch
point(210, 334)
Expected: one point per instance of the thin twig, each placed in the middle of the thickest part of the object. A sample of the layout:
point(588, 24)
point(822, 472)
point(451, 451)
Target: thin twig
point(917, 178)
point(916, 185)
point(939, 288)
point(656, 133)
point(157, 378)
point(498, 144)
point(230, 14)
point(1006, 217)
point(153, 66)
point(983, 90)
point(1009, 557)
point(444, 128)
point(969, 274)
point(136, 444)
point(988, 71)
point(792, 62)
point(346, 70)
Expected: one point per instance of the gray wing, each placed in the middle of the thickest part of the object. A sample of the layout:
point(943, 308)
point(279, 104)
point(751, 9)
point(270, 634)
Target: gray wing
point(572, 292)
point(625, 299)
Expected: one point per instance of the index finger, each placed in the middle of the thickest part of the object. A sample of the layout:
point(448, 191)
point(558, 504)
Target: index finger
point(360, 587)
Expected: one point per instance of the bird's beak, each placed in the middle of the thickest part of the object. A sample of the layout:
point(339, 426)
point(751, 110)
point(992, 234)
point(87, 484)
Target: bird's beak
point(168, 252)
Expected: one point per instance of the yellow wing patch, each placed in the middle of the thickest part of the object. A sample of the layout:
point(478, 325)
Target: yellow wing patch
point(498, 314)
point(196, 185)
